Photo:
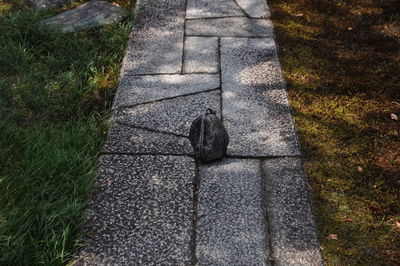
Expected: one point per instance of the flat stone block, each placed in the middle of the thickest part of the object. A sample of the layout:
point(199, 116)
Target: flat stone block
point(231, 239)
point(134, 90)
point(201, 55)
point(207, 9)
point(156, 41)
point(173, 115)
point(230, 27)
point(231, 229)
point(293, 236)
point(141, 212)
point(125, 139)
point(91, 14)
point(255, 8)
point(255, 106)
point(230, 185)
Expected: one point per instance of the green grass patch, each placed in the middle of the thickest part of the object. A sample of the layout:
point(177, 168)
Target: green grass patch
point(341, 62)
point(55, 93)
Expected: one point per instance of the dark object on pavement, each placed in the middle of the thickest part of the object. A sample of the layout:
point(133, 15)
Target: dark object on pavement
point(208, 137)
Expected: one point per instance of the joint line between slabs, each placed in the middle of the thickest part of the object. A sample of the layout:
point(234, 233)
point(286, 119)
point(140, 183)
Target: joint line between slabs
point(151, 130)
point(119, 108)
point(184, 39)
point(265, 213)
point(244, 11)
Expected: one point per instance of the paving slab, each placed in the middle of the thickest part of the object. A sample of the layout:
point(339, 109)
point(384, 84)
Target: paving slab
point(156, 41)
point(255, 8)
point(255, 106)
point(135, 90)
point(230, 185)
point(231, 239)
point(231, 229)
point(201, 55)
point(127, 140)
point(293, 236)
point(230, 27)
point(208, 9)
point(91, 14)
point(173, 115)
point(141, 211)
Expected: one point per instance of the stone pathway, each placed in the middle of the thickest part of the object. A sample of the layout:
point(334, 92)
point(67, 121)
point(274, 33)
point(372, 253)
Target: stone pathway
point(154, 204)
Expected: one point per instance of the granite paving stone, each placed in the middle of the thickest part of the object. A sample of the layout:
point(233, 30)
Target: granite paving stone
point(128, 140)
point(230, 27)
point(230, 185)
point(141, 211)
point(156, 41)
point(134, 90)
point(91, 14)
point(172, 115)
point(231, 229)
point(208, 9)
point(293, 236)
point(255, 106)
point(201, 55)
point(254, 8)
point(231, 239)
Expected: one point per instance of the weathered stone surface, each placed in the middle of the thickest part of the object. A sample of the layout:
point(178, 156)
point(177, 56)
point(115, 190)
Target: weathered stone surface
point(255, 106)
point(230, 185)
point(91, 14)
point(173, 115)
point(208, 9)
point(141, 212)
point(201, 55)
point(47, 4)
point(125, 139)
point(255, 8)
point(141, 89)
point(231, 229)
point(156, 41)
point(230, 27)
point(293, 236)
point(231, 239)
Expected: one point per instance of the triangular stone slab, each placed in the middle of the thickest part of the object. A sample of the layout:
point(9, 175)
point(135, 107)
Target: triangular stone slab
point(173, 115)
point(255, 8)
point(128, 140)
point(143, 89)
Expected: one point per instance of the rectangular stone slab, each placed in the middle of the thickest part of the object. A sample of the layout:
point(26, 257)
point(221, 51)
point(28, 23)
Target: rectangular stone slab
point(128, 140)
point(230, 27)
point(201, 55)
point(293, 236)
point(141, 212)
point(134, 90)
point(231, 229)
point(212, 8)
point(156, 41)
point(254, 8)
point(255, 106)
point(172, 115)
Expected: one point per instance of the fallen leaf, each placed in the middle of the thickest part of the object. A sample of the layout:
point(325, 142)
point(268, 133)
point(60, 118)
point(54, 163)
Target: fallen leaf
point(398, 224)
point(375, 186)
point(299, 15)
point(394, 117)
point(109, 181)
point(96, 94)
point(349, 220)
point(329, 180)
point(349, 28)
point(360, 169)
point(332, 236)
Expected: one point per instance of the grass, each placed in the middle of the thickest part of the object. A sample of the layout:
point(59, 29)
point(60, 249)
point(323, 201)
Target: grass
point(55, 94)
point(341, 61)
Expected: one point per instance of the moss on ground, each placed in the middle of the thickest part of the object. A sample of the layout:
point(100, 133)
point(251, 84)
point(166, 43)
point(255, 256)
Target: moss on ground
point(341, 61)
